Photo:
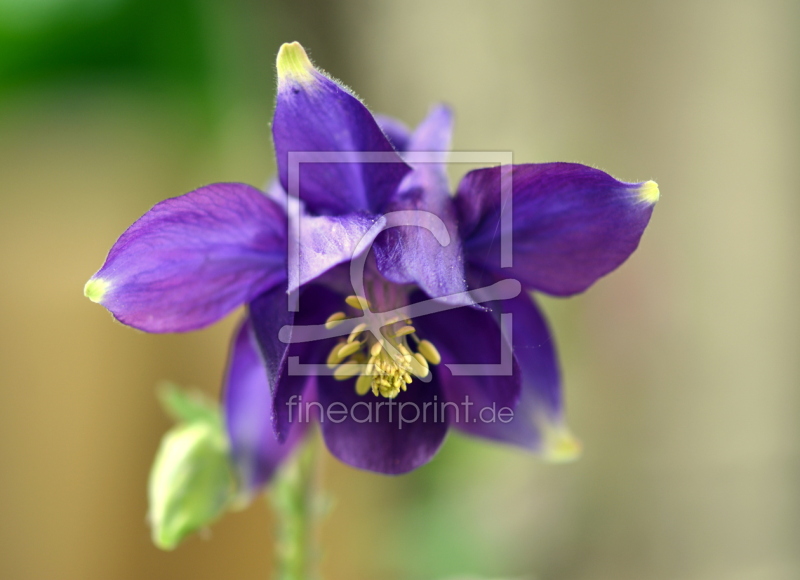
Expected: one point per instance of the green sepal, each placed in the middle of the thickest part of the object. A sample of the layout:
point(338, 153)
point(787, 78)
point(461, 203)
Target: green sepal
point(185, 406)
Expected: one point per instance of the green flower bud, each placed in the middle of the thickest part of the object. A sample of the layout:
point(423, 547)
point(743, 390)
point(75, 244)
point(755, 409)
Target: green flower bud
point(192, 482)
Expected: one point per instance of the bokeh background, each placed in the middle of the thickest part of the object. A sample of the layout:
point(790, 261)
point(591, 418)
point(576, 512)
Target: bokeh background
point(681, 368)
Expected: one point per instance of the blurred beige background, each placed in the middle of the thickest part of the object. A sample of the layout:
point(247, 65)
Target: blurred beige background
point(681, 368)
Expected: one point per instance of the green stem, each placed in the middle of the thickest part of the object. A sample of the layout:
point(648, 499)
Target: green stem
point(296, 504)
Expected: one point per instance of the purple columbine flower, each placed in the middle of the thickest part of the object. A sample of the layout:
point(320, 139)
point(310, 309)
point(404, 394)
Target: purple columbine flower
point(191, 260)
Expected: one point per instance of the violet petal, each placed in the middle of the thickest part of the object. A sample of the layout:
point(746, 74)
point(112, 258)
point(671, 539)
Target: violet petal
point(473, 337)
point(255, 450)
point(313, 114)
point(316, 304)
point(326, 241)
point(411, 254)
point(395, 130)
point(572, 224)
point(367, 436)
point(537, 422)
point(192, 259)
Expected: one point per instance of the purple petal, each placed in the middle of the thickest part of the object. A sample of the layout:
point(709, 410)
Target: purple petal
point(248, 415)
point(192, 259)
point(368, 437)
point(433, 134)
point(326, 241)
point(396, 131)
point(537, 422)
point(572, 224)
point(315, 114)
point(316, 304)
point(535, 350)
point(269, 312)
point(276, 193)
point(431, 143)
point(412, 255)
point(473, 337)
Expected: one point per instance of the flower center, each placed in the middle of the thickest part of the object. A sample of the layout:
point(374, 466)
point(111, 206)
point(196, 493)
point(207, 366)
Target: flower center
point(386, 363)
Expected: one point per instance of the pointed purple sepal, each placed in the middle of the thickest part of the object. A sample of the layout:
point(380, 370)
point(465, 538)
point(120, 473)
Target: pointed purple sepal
point(192, 259)
point(317, 117)
point(572, 224)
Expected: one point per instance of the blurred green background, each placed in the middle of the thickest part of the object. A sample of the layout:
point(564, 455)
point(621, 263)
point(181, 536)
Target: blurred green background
point(681, 369)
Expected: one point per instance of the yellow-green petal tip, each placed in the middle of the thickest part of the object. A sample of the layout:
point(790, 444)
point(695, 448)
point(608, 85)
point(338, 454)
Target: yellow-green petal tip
point(95, 289)
point(560, 445)
point(293, 63)
point(648, 192)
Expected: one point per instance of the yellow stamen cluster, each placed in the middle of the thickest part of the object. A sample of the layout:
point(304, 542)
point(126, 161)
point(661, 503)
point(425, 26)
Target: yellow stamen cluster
point(386, 364)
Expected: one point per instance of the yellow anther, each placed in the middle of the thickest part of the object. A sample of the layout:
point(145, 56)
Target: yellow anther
point(346, 371)
point(419, 366)
point(348, 349)
point(404, 331)
point(358, 302)
point(363, 384)
point(386, 389)
point(356, 331)
point(382, 362)
point(333, 356)
point(426, 349)
point(335, 320)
